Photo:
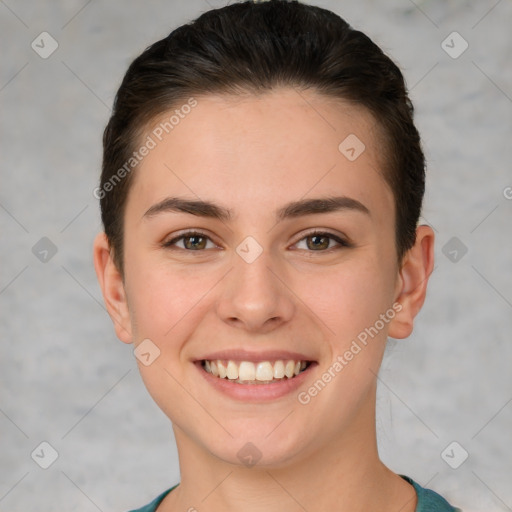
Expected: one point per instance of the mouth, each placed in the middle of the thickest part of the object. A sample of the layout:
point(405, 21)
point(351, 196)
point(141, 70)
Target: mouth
point(260, 379)
point(255, 376)
point(255, 373)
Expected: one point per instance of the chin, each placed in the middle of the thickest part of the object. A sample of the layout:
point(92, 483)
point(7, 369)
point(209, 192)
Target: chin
point(263, 451)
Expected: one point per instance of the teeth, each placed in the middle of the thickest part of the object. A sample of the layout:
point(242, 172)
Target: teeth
point(246, 371)
point(222, 370)
point(289, 369)
point(264, 371)
point(278, 370)
point(232, 370)
point(249, 372)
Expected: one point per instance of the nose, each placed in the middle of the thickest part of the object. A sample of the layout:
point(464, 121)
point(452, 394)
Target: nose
point(255, 296)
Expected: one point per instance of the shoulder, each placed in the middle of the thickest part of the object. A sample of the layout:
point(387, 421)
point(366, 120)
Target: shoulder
point(430, 501)
point(151, 507)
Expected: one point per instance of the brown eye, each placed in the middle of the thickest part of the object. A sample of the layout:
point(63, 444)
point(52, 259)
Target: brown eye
point(190, 241)
point(321, 242)
point(316, 242)
point(194, 242)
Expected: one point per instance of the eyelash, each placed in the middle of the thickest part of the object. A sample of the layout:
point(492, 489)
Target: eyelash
point(189, 234)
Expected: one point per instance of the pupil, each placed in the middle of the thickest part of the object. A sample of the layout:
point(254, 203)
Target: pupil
point(193, 242)
point(317, 241)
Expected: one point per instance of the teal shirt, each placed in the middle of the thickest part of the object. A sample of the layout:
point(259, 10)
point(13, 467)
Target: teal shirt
point(428, 501)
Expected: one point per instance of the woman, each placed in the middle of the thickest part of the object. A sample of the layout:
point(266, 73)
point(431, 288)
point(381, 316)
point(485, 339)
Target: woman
point(261, 188)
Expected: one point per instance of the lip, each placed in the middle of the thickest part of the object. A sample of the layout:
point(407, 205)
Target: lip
point(255, 392)
point(255, 357)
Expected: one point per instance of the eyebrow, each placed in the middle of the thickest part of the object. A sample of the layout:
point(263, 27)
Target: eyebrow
point(291, 210)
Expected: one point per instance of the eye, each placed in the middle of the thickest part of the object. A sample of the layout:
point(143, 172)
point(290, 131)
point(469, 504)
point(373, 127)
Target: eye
point(320, 241)
point(316, 241)
point(191, 241)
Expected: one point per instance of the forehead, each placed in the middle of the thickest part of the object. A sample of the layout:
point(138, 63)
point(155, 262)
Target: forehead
point(262, 149)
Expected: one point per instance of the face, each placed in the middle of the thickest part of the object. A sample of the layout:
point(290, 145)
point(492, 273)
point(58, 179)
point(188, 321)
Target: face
point(233, 251)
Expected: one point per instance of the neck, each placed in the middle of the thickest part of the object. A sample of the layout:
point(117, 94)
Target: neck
point(343, 473)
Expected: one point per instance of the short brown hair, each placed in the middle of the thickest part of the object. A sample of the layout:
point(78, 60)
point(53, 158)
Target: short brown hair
point(252, 47)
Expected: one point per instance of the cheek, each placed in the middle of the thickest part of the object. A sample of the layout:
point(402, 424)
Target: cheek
point(349, 301)
point(350, 298)
point(167, 306)
point(165, 301)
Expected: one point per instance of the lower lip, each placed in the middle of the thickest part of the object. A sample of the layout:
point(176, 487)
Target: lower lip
point(255, 392)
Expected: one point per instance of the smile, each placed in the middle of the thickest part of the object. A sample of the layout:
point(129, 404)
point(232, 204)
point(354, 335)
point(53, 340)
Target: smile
point(248, 372)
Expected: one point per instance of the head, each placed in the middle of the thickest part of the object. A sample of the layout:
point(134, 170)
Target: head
point(256, 126)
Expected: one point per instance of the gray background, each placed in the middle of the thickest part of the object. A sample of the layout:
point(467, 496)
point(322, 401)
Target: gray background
point(67, 380)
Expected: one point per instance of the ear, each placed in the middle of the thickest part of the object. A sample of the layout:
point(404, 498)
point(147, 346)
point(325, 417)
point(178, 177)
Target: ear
point(416, 269)
point(112, 287)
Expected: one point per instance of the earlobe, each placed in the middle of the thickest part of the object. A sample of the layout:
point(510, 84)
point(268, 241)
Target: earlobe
point(416, 269)
point(112, 287)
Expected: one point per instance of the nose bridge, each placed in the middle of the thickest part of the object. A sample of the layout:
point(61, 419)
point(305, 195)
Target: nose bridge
point(254, 296)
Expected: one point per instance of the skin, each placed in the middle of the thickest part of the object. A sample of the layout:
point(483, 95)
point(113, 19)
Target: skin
point(254, 155)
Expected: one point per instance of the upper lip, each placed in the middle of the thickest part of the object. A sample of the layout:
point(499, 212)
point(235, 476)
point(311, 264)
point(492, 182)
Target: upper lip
point(246, 355)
